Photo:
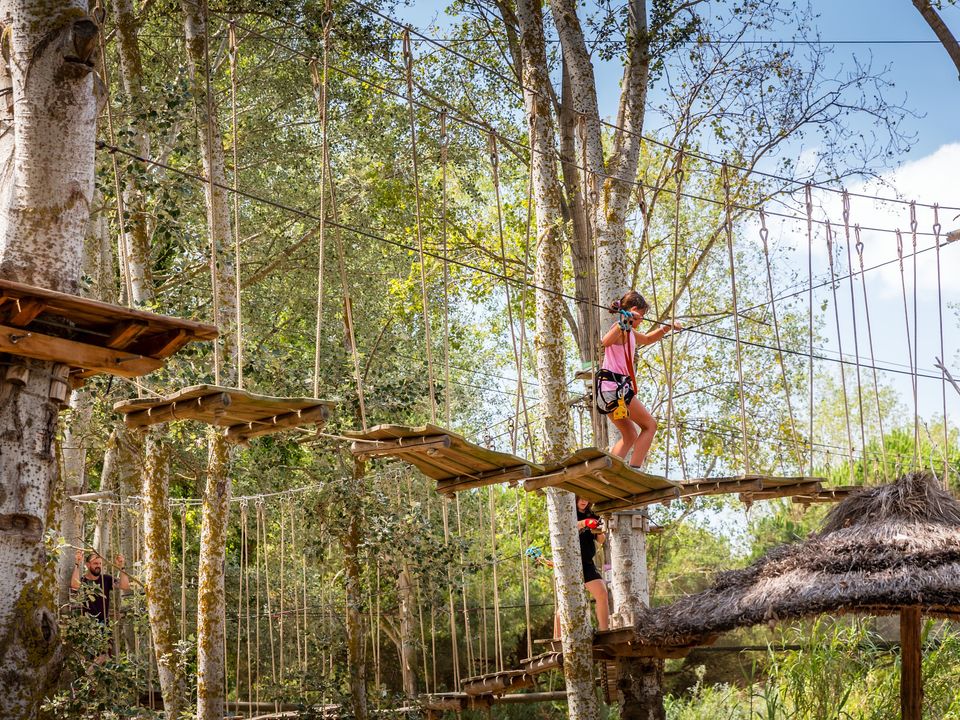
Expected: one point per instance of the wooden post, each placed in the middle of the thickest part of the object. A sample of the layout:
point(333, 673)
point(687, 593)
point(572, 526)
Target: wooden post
point(911, 679)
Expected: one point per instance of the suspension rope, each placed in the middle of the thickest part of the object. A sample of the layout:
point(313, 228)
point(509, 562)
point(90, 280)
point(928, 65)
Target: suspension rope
point(232, 54)
point(517, 358)
point(444, 147)
point(876, 384)
point(853, 317)
point(728, 224)
point(808, 204)
point(906, 321)
point(764, 235)
point(262, 522)
point(916, 327)
point(211, 189)
point(243, 571)
point(678, 179)
point(843, 373)
point(408, 63)
point(943, 376)
point(320, 85)
point(454, 648)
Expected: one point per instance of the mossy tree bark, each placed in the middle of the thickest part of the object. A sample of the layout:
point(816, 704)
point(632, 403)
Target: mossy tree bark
point(157, 573)
point(211, 607)
point(561, 508)
point(46, 187)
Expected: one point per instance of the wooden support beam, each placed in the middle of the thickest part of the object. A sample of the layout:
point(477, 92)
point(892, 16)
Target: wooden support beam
point(164, 344)
point(26, 311)
point(380, 448)
point(697, 489)
point(185, 410)
point(125, 333)
point(475, 480)
point(569, 473)
point(255, 428)
point(632, 501)
point(806, 488)
point(44, 347)
point(911, 678)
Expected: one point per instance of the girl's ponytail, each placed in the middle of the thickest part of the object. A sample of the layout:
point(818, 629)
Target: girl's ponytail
point(632, 299)
point(615, 307)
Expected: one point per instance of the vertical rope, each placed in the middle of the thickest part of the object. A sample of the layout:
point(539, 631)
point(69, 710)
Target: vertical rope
point(525, 575)
point(517, 359)
point(454, 649)
point(678, 180)
point(256, 573)
point(320, 96)
point(728, 224)
point(808, 204)
point(873, 363)
point(463, 592)
point(283, 573)
point(211, 221)
point(853, 315)
point(183, 571)
point(843, 375)
point(408, 64)
point(444, 146)
point(245, 519)
point(497, 638)
point(232, 42)
point(764, 236)
point(243, 572)
point(525, 288)
point(913, 370)
point(261, 520)
point(943, 375)
point(916, 327)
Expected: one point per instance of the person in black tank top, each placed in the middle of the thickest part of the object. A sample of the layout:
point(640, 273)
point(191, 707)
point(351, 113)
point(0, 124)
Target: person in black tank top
point(591, 533)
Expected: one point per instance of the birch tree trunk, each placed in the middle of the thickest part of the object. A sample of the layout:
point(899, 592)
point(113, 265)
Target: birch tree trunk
point(73, 453)
point(46, 187)
point(211, 607)
point(561, 509)
point(157, 573)
point(408, 641)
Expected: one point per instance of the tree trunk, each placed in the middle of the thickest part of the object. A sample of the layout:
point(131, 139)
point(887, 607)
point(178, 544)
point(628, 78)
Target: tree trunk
point(561, 509)
point(157, 574)
point(354, 601)
point(46, 187)
point(940, 29)
point(211, 609)
point(73, 460)
point(408, 640)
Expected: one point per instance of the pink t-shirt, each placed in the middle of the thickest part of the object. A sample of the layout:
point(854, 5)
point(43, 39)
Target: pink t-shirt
point(615, 359)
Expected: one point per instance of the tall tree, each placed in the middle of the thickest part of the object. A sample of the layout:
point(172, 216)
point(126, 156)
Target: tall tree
point(572, 606)
point(46, 187)
point(211, 603)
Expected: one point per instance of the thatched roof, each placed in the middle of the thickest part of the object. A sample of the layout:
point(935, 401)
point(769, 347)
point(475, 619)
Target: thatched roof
point(880, 549)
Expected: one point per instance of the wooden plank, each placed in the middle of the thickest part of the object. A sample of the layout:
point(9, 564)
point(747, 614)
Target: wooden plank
point(542, 663)
point(193, 409)
point(634, 501)
point(277, 423)
point(89, 357)
point(380, 448)
point(125, 333)
point(508, 681)
point(449, 487)
point(779, 492)
point(85, 310)
point(719, 487)
point(553, 479)
point(911, 678)
point(594, 488)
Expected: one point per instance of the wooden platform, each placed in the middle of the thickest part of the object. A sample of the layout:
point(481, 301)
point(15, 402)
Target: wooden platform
point(515, 679)
point(455, 463)
point(606, 480)
point(826, 494)
point(751, 487)
point(243, 414)
point(88, 336)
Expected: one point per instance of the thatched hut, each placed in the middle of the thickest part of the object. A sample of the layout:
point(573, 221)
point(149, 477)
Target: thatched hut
point(888, 549)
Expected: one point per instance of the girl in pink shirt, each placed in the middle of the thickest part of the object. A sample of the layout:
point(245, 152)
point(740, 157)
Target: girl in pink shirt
point(616, 385)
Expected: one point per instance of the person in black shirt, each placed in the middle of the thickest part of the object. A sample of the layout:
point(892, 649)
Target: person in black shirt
point(98, 606)
point(591, 533)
